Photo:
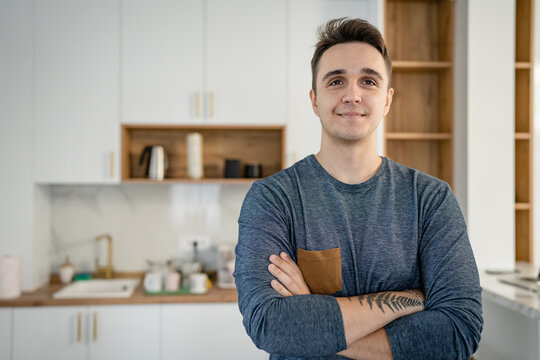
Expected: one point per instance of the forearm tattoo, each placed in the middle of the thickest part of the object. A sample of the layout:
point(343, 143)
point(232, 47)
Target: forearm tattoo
point(392, 301)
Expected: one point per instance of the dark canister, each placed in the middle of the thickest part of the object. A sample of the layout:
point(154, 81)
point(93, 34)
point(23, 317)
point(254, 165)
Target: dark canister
point(232, 168)
point(253, 170)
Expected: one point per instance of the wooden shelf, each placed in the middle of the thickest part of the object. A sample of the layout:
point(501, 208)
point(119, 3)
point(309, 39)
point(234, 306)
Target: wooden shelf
point(523, 122)
point(420, 65)
point(523, 65)
point(523, 206)
point(419, 129)
point(418, 136)
point(184, 181)
point(522, 136)
point(264, 145)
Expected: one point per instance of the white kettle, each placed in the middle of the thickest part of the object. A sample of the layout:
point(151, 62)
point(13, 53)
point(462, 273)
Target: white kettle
point(157, 162)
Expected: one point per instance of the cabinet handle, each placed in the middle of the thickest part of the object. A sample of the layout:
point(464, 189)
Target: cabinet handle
point(79, 327)
point(197, 104)
point(94, 328)
point(211, 100)
point(111, 164)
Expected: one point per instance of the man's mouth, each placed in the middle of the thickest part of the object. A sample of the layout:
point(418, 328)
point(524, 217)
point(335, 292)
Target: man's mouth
point(351, 114)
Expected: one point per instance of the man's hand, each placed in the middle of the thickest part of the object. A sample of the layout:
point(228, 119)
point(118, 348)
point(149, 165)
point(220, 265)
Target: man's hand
point(291, 281)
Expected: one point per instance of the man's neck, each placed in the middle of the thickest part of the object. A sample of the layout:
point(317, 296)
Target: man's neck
point(351, 163)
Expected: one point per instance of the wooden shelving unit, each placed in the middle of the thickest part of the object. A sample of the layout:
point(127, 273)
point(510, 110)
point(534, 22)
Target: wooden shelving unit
point(419, 130)
point(524, 130)
point(249, 144)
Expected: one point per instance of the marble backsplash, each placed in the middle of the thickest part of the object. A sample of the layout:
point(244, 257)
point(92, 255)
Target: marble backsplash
point(146, 221)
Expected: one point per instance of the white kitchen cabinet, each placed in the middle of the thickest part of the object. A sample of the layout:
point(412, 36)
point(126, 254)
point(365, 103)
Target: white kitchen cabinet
point(49, 333)
point(162, 61)
point(246, 62)
point(205, 332)
point(82, 332)
point(77, 135)
point(304, 128)
point(5, 333)
point(124, 332)
point(204, 62)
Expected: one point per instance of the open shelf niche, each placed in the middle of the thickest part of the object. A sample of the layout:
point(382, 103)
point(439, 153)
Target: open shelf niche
point(524, 130)
point(419, 130)
point(262, 145)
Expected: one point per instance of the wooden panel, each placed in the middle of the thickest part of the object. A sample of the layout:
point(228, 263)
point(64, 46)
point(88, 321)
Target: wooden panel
point(523, 104)
point(523, 30)
point(249, 145)
point(433, 157)
point(422, 102)
point(429, 23)
point(522, 171)
point(523, 243)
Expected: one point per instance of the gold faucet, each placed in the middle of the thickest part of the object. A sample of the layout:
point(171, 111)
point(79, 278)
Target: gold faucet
point(106, 271)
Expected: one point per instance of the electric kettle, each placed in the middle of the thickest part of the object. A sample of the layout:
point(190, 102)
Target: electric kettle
point(157, 162)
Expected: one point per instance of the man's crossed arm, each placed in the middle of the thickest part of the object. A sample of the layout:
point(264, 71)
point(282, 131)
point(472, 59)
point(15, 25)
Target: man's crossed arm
point(363, 316)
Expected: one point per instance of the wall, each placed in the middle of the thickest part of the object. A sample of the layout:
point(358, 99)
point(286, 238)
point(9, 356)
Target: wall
point(490, 132)
point(146, 221)
point(20, 199)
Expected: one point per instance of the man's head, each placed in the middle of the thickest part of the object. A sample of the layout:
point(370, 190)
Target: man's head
point(351, 92)
point(345, 30)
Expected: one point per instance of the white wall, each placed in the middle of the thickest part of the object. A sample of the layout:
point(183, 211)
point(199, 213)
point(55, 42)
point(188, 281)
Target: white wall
point(490, 132)
point(17, 193)
point(154, 222)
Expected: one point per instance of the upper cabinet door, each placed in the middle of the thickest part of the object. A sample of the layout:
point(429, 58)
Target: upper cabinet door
point(162, 61)
point(76, 91)
point(246, 62)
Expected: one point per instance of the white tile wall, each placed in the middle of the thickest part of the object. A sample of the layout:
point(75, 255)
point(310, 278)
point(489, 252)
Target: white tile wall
point(146, 221)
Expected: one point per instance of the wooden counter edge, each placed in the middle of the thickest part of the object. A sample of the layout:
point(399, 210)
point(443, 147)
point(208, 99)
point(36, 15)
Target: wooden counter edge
point(43, 297)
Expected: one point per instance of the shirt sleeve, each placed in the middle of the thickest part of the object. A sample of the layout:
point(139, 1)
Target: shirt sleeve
point(301, 326)
point(450, 325)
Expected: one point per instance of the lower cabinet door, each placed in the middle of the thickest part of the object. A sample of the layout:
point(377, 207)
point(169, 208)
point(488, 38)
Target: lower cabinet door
point(5, 333)
point(49, 333)
point(123, 332)
point(206, 332)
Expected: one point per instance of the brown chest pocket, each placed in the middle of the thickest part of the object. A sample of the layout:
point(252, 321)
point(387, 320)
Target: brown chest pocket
point(321, 270)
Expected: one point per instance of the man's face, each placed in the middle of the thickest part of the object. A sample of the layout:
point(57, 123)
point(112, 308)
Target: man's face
point(352, 95)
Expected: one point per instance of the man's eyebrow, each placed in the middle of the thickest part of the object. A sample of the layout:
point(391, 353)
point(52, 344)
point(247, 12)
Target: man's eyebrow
point(332, 73)
point(364, 70)
point(373, 72)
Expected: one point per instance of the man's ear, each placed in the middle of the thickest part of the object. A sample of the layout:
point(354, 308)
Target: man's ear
point(313, 98)
point(389, 97)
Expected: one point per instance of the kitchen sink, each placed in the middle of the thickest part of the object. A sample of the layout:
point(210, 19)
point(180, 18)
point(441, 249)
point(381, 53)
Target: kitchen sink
point(99, 288)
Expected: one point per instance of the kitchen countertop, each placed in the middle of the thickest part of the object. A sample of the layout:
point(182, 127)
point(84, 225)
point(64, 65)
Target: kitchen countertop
point(523, 301)
point(43, 297)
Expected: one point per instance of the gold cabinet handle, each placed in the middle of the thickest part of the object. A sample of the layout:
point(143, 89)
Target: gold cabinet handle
point(79, 327)
point(94, 328)
point(211, 100)
point(198, 104)
point(111, 164)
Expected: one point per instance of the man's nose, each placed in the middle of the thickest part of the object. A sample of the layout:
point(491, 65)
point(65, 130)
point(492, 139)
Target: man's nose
point(352, 95)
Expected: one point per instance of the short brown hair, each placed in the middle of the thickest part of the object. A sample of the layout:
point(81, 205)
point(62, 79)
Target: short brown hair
point(345, 30)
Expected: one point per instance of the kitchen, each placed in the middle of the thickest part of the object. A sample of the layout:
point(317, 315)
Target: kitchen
point(147, 68)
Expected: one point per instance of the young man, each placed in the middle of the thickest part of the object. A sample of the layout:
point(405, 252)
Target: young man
point(336, 252)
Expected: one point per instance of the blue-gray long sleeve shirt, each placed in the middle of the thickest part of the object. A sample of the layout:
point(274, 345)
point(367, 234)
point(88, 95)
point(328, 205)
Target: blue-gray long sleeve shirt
point(401, 229)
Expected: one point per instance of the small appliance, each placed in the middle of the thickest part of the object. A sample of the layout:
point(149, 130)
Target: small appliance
point(157, 162)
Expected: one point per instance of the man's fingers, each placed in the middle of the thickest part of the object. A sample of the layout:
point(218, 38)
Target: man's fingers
point(284, 278)
point(281, 290)
point(286, 265)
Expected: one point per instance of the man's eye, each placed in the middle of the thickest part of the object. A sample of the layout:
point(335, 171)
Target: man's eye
point(369, 82)
point(335, 82)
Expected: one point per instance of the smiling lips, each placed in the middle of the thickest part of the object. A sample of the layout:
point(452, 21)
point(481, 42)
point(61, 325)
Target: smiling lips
point(351, 114)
